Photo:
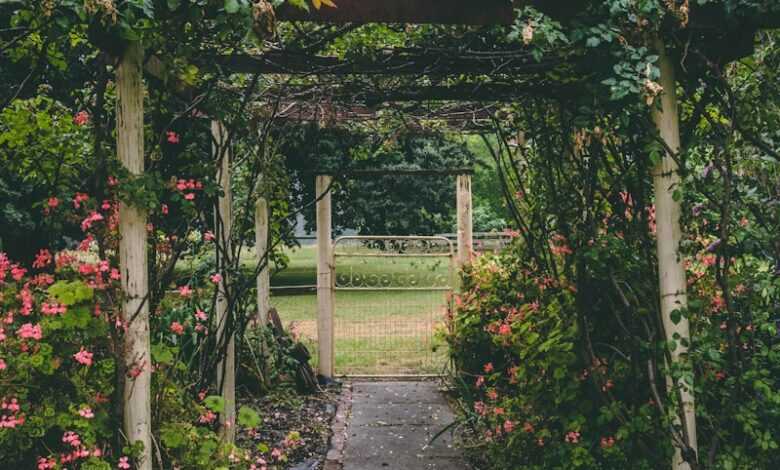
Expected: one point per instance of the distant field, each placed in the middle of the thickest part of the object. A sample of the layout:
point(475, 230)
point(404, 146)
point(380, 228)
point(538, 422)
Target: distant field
point(377, 331)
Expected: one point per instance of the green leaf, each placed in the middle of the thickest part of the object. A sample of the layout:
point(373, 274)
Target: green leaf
point(248, 417)
point(215, 403)
point(232, 6)
point(162, 354)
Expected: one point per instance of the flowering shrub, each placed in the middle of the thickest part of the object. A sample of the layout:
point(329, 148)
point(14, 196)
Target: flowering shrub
point(542, 388)
point(523, 385)
point(58, 370)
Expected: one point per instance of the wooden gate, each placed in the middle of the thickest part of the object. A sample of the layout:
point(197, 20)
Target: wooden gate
point(391, 295)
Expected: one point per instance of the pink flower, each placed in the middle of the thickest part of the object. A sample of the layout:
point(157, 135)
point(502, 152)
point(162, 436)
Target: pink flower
point(3, 365)
point(488, 367)
point(173, 138)
point(78, 199)
point(509, 426)
point(81, 118)
point(164, 209)
point(42, 259)
point(572, 437)
point(185, 291)
point(208, 236)
point(201, 315)
point(607, 442)
point(17, 272)
point(216, 278)
point(30, 331)
point(189, 196)
point(71, 438)
point(505, 330)
point(177, 328)
point(46, 463)
point(207, 417)
point(83, 357)
point(53, 308)
point(91, 218)
point(53, 202)
point(86, 412)
point(124, 463)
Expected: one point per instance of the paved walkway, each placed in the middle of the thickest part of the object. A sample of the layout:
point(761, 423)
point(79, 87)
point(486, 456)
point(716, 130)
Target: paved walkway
point(391, 425)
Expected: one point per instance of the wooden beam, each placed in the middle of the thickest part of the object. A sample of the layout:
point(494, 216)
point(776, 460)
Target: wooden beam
point(133, 260)
point(464, 219)
point(466, 12)
point(360, 173)
point(261, 249)
point(325, 300)
point(223, 224)
point(388, 62)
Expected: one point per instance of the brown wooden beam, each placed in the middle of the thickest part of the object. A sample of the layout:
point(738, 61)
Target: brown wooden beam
point(467, 12)
point(389, 63)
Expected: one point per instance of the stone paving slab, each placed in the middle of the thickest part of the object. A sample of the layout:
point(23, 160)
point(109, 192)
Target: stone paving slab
point(397, 392)
point(391, 425)
point(366, 414)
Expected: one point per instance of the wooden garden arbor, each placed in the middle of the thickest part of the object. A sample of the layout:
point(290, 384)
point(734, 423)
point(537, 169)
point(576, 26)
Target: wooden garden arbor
point(130, 149)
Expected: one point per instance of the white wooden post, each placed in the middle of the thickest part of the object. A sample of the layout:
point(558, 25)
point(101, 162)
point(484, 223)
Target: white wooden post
point(226, 369)
point(261, 246)
point(671, 271)
point(133, 262)
point(465, 233)
point(324, 277)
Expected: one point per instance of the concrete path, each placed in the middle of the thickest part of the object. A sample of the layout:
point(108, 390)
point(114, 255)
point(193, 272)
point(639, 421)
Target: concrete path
point(391, 425)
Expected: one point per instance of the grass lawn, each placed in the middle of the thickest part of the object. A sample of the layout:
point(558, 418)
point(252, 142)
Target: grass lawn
point(377, 332)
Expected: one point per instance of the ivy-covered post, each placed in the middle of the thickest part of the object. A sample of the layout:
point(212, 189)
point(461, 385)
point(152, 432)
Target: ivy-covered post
point(671, 272)
point(226, 368)
point(324, 277)
point(133, 258)
point(464, 218)
point(261, 248)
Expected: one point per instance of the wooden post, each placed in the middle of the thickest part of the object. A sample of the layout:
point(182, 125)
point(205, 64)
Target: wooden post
point(133, 257)
point(226, 369)
point(261, 246)
point(465, 233)
point(324, 277)
point(671, 271)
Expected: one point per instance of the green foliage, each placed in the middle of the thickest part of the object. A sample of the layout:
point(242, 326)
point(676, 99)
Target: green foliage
point(381, 204)
point(524, 387)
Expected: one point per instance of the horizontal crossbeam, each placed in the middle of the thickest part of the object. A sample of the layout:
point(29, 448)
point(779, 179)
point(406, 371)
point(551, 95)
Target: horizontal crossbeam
point(390, 62)
point(466, 12)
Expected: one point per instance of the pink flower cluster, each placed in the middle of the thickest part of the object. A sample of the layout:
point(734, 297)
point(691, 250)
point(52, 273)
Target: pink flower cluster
point(83, 357)
point(79, 451)
point(53, 308)
point(187, 186)
point(177, 328)
point(11, 417)
point(30, 331)
point(81, 118)
point(93, 217)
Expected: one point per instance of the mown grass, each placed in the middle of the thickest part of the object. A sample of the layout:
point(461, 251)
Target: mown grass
point(377, 332)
